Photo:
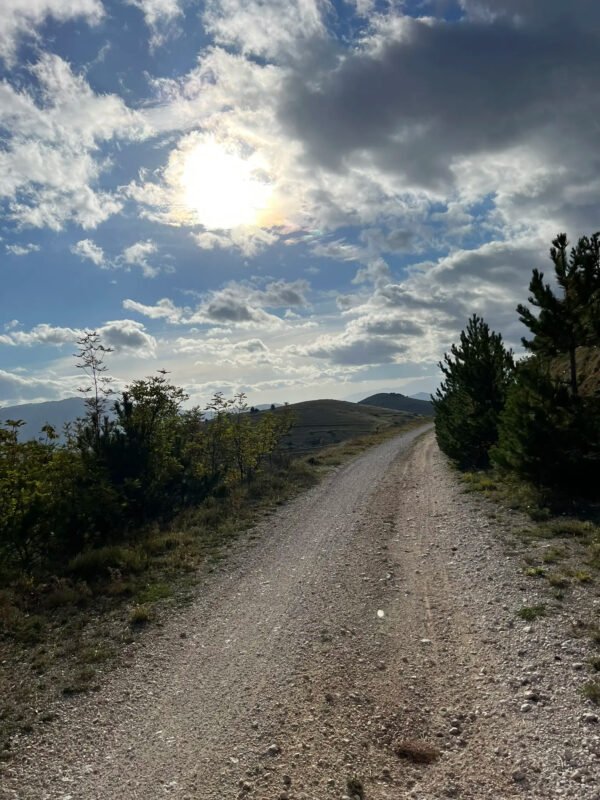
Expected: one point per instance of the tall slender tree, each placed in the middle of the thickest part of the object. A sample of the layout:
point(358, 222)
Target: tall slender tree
point(98, 390)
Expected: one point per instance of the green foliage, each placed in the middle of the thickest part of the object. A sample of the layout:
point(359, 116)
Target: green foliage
point(571, 318)
point(80, 501)
point(531, 613)
point(527, 421)
point(548, 435)
point(477, 374)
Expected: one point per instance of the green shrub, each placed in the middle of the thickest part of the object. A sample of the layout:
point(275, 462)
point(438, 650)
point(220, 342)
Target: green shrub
point(94, 564)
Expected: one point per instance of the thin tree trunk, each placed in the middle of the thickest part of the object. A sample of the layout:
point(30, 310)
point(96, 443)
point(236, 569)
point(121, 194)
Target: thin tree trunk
point(573, 364)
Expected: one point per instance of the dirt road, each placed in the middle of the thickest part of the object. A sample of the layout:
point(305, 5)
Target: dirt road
point(377, 607)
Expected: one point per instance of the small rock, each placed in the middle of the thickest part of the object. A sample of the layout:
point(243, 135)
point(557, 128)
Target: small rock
point(519, 776)
point(526, 707)
point(591, 718)
point(273, 750)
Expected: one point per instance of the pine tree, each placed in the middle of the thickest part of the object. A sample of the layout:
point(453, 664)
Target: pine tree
point(571, 318)
point(477, 374)
point(547, 435)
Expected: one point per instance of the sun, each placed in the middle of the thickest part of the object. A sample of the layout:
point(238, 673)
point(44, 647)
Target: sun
point(221, 190)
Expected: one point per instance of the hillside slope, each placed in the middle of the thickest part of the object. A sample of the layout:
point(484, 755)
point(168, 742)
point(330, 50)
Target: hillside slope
point(399, 402)
point(318, 423)
point(588, 370)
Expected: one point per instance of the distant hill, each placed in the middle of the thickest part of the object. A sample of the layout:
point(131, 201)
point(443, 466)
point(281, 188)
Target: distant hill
point(421, 396)
point(399, 402)
point(319, 423)
point(36, 415)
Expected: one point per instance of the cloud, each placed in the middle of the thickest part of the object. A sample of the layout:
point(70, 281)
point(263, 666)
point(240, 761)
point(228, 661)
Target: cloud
point(51, 135)
point(276, 28)
point(339, 250)
point(282, 293)
point(124, 335)
point(159, 16)
point(22, 249)
point(376, 272)
point(128, 336)
point(349, 351)
point(434, 113)
point(239, 304)
point(42, 334)
point(87, 249)
point(137, 255)
point(22, 388)
point(164, 309)
point(20, 18)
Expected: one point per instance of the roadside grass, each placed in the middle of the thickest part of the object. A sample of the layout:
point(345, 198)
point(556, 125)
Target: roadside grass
point(531, 613)
point(559, 532)
point(60, 636)
point(591, 691)
point(559, 546)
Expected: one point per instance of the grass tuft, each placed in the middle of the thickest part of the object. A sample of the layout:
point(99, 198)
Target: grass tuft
point(140, 616)
point(531, 613)
point(591, 691)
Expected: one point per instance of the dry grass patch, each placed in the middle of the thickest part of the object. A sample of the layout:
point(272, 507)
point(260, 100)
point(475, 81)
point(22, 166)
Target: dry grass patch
point(416, 750)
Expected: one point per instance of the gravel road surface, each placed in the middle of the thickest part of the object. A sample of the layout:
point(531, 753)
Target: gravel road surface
point(378, 607)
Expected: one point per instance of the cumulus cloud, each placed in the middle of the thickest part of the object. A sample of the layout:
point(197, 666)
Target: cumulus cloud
point(124, 335)
point(159, 16)
point(22, 249)
point(137, 255)
point(50, 139)
point(128, 336)
point(271, 29)
point(20, 18)
point(87, 249)
point(164, 309)
point(352, 351)
point(41, 334)
point(237, 304)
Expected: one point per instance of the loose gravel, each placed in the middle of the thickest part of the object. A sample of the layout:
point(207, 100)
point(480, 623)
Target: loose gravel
point(369, 620)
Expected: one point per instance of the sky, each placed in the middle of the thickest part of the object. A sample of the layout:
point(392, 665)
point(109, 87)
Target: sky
point(291, 198)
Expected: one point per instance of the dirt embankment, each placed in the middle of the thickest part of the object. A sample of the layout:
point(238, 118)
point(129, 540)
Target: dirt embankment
point(379, 607)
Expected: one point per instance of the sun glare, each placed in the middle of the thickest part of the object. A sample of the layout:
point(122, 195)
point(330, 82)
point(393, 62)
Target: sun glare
point(223, 190)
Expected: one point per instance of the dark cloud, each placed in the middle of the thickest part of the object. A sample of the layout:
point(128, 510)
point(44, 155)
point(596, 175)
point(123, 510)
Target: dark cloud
point(391, 326)
point(450, 89)
point(280, 294)
point(128, 336)
point(229, 307)
point(356, 351)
